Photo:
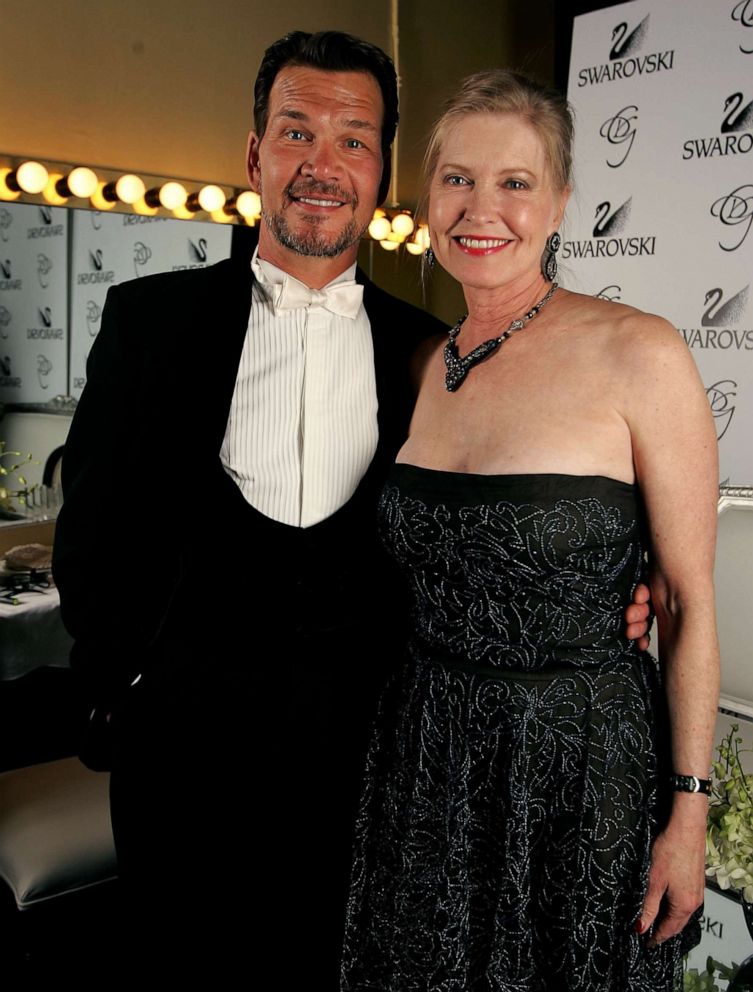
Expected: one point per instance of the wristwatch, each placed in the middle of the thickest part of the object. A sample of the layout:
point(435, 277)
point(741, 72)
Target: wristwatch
point(690, 783)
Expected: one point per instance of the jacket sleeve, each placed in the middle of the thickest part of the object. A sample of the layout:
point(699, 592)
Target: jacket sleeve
point(111, 604)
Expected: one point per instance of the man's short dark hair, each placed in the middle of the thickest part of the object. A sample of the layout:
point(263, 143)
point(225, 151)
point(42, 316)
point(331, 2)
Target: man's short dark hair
point(331, 51)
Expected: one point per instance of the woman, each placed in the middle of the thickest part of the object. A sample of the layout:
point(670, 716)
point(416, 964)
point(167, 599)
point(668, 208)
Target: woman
point(524, 825)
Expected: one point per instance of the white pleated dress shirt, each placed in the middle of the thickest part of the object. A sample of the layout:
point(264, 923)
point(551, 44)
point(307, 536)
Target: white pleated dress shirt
point(302, 428)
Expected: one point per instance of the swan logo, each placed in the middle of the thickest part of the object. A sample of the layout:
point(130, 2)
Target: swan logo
point(6, 219)
point(624, 60)
point(141, 255)
point(620, 132)
point(735, 210)
point(606, 237)
point(720, 397)
point(5, 320)
point(44, 367)
point(45, 229)
point(720, 320)
point(197, 253)
point(737, 117)
point(743, 12)
point(44, 267)
point(93, 316)
point(7, 378)
point(98, 272)
point(45, 329)
point(6, 276)
point(611, 293)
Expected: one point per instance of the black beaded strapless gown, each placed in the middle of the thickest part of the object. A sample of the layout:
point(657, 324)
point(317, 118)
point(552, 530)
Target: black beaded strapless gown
point(513, 786)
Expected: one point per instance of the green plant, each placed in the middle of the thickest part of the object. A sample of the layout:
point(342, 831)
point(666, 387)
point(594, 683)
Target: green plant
point(8, 495)
point(703, 981)
point(729, 837)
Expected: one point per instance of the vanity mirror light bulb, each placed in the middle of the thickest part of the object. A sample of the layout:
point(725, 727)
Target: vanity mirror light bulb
point(6, 193)
point(211, 198)
point(130, 188)
point(403, 225)
point(172, 195)
point(144, 208)
point(103, 197)
point(379, 228)
point(183, 213)
point(423, 237)
point(52, 193)
point(82, 182)
point(390, 245)
point(31, 177)
point(248, 204)
point(220, 217)
point(414, 248)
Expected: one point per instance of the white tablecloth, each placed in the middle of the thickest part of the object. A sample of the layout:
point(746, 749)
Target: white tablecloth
point(32, 634)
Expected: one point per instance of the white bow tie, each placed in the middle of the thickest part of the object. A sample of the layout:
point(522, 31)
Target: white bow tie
point(343, 299)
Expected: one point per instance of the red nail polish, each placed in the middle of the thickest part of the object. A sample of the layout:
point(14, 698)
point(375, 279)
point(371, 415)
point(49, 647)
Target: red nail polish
point(640, 926)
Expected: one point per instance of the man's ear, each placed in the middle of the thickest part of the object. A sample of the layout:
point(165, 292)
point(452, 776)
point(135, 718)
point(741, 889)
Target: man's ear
point(253, 169)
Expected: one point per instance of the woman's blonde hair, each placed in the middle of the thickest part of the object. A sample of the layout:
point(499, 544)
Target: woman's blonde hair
point(499, 91)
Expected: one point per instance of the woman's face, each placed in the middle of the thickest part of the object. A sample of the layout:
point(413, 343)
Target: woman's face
point(491, 201)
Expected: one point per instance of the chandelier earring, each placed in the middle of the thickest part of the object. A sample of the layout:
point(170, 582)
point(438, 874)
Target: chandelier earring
point(430, 257)
point(549, 257)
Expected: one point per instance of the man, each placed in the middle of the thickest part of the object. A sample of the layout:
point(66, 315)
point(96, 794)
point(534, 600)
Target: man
point(234, 633)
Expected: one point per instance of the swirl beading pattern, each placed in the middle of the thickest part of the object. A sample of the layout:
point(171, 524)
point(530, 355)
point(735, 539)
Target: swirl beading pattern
point(510, 799)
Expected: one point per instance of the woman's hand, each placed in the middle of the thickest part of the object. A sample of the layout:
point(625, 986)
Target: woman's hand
point(677, 875)
point(636, 617)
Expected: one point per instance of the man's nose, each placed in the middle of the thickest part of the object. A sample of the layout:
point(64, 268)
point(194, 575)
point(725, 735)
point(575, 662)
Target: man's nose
point(322, 163)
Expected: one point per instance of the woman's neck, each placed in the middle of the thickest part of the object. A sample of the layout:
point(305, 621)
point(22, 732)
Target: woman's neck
point(491, 311)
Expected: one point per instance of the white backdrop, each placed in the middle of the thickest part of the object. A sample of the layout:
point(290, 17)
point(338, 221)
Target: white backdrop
point(107, 249)
point(33, 302)
point(663, 206)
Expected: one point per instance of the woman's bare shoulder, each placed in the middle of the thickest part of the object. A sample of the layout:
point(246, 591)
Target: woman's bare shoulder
point(624, 329)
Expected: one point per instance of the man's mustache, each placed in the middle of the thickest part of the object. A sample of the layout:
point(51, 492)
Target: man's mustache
point(323, 191)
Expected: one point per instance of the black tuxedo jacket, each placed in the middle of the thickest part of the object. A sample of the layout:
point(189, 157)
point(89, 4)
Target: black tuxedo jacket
point(142, 456)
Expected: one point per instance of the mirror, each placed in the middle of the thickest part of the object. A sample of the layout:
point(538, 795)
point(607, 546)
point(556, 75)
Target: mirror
point(56, 266)
point(733, 577)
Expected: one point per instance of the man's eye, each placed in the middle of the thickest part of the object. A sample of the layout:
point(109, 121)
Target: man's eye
point(296, 135)
point(354, 143)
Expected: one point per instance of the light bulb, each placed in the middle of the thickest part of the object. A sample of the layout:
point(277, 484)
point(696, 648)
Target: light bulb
point(7, 192)
point(390, 245)
point(52, 193)
point(103, 197)
point(172, 195)
point(220, 217)
point(211, 198)
point(248, 204)
point(31, 177)
point(82, 182)
point(129, 188)
point(379, 228)
point(414, 248)
point(423, 237)
point(403, 225)
point(141, 206)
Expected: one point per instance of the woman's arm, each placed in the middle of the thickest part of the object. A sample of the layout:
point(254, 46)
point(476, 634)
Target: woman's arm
point(675, 454)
